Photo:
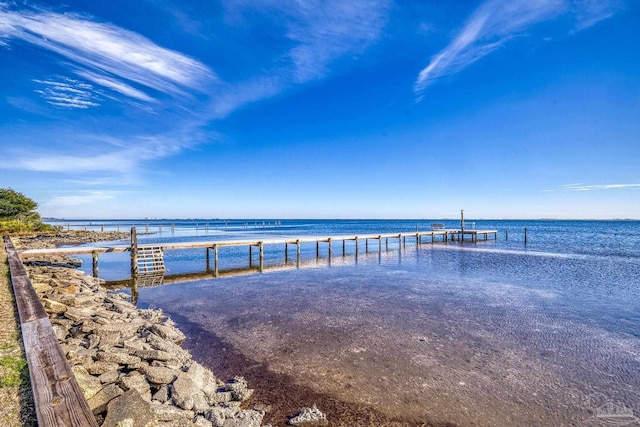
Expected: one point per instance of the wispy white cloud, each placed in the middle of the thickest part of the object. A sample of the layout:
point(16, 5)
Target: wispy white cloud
point(116, 85)
point(80, 198)
point(327, 30)
point(108, 154)
point(590, 12)
point(496, 22)
point(106, 54)
point(67, 93)
point(319, 33)
point(583, 187)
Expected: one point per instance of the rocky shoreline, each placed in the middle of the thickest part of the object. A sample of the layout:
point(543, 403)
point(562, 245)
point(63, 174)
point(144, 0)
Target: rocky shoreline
point(128, 361)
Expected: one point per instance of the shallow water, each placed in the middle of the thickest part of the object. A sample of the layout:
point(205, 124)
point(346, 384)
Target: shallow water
point(489, 334)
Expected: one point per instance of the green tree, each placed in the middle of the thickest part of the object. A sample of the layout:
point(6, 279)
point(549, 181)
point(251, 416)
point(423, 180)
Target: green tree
point(17, 206)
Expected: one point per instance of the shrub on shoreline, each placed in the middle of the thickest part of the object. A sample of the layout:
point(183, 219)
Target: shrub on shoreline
point(18, 214)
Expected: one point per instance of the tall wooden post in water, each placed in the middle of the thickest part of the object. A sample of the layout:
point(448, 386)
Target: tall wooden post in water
point(134, 264)
point(462, 225)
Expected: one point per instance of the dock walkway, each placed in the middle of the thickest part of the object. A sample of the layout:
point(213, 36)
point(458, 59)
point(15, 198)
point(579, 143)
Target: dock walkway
point(433, 236)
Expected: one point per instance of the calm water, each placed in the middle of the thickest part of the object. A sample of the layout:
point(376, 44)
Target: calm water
point(492, 334)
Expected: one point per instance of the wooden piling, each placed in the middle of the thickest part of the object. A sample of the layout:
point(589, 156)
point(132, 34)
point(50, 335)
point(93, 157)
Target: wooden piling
point(134, 261)
point(343, 246)
point(215, 260)
point(94, 256)
point(330, 248)
point(261, 247)
point(207, 258)
point(526, 232)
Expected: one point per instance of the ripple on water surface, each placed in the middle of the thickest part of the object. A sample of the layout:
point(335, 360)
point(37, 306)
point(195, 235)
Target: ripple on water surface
point(435, 334)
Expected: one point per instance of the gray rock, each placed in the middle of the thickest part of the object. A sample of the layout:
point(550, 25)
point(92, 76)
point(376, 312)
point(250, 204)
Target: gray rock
point(170, 413)
point(117, 357)
point(98, 403)
point(153, 355)
point(89, 384)
point(162, 395)
point(169, 333)
point(178, 423)
point(220, 397)
point(184, 390)
point(131, 409)
point(100, 367)
point(203, 378)
point(136, 381)
point(308, 417)
point(160, 375)
point(109, 377)
point(219, 414)
point(181, 355)
point(246, 418)
point(52, 306)
point(238, 388)
point(202, 422)
point(60, 332)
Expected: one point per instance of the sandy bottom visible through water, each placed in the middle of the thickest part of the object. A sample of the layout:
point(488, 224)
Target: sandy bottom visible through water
point(405, 349)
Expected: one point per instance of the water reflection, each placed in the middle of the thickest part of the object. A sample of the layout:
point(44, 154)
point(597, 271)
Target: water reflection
point(433, 334)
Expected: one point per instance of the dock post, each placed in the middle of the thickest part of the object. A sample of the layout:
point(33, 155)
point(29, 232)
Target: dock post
point(298, 253)
point(261, 247)
point(379, 244)
point(356, 247)
point(317, 249)
point(94, 255)
point(215, 260)
point(286, 252)
point(366, 245)
point(506, 235)
point(134, 263)
point(250, 258)
point(330, 248)
point(525, 235)
point(386, 244)
point(343, 246)
point(207, 252)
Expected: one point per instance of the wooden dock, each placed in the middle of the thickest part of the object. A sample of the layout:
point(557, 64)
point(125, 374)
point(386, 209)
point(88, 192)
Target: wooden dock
point(147, 260)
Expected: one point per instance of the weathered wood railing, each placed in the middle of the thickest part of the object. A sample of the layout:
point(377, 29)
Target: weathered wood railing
point(58, 398)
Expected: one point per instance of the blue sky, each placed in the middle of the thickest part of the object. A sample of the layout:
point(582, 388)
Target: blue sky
point(322, 109)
